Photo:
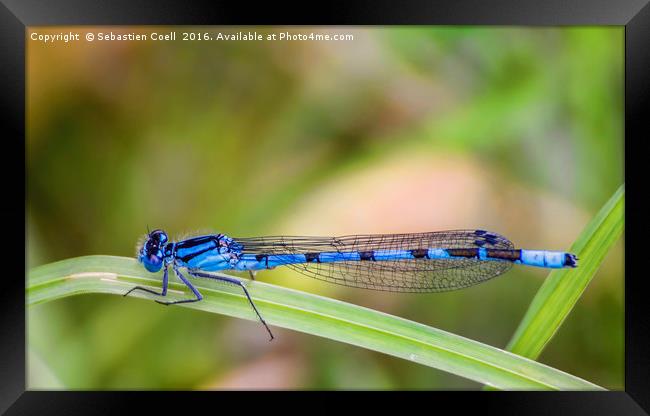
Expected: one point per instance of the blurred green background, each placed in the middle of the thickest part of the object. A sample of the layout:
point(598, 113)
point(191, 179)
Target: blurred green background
point(402, 129)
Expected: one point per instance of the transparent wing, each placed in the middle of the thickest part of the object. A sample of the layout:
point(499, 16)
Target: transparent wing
point(412, 275)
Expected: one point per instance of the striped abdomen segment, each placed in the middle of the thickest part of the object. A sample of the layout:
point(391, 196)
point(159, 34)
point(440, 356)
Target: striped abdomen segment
point(549, 259)
point(537, 258)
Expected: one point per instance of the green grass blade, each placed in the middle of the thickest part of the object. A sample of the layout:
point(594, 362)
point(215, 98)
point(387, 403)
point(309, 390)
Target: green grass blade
point(314, 315)
point(563, 287)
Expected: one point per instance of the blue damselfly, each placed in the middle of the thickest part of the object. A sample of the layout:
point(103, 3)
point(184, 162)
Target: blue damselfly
point(418, 262)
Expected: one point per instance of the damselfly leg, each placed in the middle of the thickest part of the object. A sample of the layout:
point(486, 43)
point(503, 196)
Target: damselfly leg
point(188, 284)
point(237, 283)
point(165, 283)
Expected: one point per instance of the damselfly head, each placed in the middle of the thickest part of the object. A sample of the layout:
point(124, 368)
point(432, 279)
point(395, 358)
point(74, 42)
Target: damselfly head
point(152, 251)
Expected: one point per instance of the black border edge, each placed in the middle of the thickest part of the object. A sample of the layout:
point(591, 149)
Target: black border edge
point(506, 403)
point(373, 12)
point(12, 111)
point(635, 14)
point(637, 133)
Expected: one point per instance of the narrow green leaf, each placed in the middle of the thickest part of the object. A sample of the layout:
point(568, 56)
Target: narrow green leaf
point(314, 315)
point(563, 287)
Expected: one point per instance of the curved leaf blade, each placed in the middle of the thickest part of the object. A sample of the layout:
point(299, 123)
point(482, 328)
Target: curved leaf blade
point(563, 287)
point(314, 315)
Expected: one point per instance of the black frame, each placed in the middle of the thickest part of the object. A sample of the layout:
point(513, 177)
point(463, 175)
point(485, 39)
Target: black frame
point(16, 15)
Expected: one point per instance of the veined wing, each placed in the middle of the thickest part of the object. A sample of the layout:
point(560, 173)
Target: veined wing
point(400, 275)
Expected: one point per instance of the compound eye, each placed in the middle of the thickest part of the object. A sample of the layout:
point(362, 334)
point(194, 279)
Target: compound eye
point(159, 236)
point(152, 261)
